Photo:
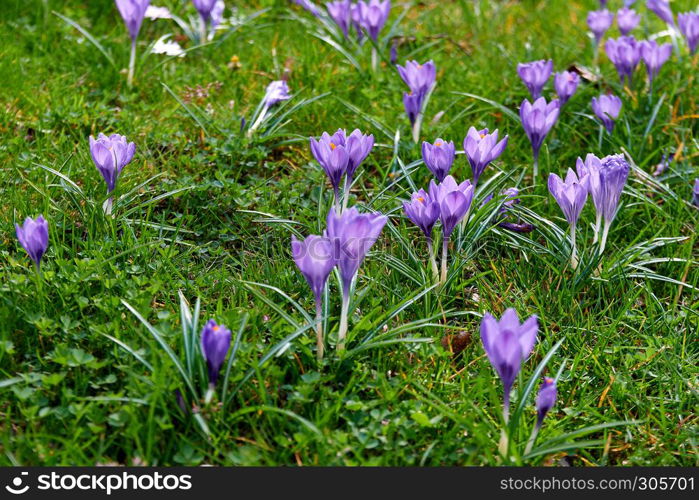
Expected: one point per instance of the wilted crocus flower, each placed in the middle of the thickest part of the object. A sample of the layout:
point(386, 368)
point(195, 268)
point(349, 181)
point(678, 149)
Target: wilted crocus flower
point(570, 195)
point(654, 56)
point(624, 54)
point(606, 180)
point(508, 343)
point(33, 235)
point(133, 12)
point(689, 26)
point(565, 83)
point(110, 155)
point(352, 235)
point(535, 74)
point(276, 92)
point(599, 21)
point(339, 11)
point(695, 193)
point(315, 259)
point(627, 19)
point(537, 120)
point(438, 157)
point(607, 108)
point(373, 15)
point(454, 204)
point(481, 148)
point(423, 211)
point(504, 212)
point(215, 341)
point(418, 77)
point(661, 8)
point(332, 155)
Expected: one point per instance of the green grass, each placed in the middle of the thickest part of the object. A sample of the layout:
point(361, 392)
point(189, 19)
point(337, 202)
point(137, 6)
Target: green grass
point(209, 213)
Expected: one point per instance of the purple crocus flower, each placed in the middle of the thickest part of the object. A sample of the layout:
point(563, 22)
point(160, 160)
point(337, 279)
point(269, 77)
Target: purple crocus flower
point(627, 19)
point(545, 399)
point(599, 21)
point(33, 235)
point(133, 12)
point(508, 343)
point(314, 258)
point(689, 26)
point(695, 193)
point(537, 120)
point(215, 341)
point(217, 15)
point(373, 15)
point(110, 155)
point(356, 17)
point(571, 196)
point(535, 74)
point(566, 83)
point(661, 8)
point(358, 146)
point(418, 77)
point(624, 54)
point(413, 105)
point(422, 211)
point(331, 153)
point(276, 92)
point(438, 157)
point(607, 108)
point(339, 11)
point(654, 56)
point(309, 6)
point(204, 7)
point(454, 201)
point(481, 148)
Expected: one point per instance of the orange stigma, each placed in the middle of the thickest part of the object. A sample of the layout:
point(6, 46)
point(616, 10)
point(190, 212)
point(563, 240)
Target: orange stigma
point(216, 328)
point(421, 199)
point(332, 146)
point(438, 143)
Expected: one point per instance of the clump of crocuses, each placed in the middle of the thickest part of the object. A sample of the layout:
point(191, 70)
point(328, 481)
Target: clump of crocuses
point(33, 235)
point(537, 120)
point(420, 79)
point(535, 74)
point(110, 155)
point(607, 107)
point(482, 148)
point(570, 195)
point(315, 258)
point(565, 83)
point(215, 342)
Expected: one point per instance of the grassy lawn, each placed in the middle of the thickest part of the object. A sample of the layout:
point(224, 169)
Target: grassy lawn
point(206, 212)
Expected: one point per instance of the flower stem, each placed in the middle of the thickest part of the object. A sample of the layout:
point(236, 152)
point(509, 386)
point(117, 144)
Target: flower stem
point(598, 225)
point(319, 329)
point(416, 128)
point(346, 192)
point(374, 59)
point(574, 250)
point(132, 63)
point(258, 121)
point(605, 232)
point(535, 172)
point(202, 27)
point(532, 439)
point(342, 333)
point(445, 249)
point(433, 260)
point(209, 394)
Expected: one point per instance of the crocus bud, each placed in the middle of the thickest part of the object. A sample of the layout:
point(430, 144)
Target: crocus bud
point(535, 74)
point(607, 108)
point(110, 155)
point(689, 26)
point(34, 237)
point(654, 56)
point(373, 15)
point(537, 120)
point(413, 105)
point(570, 194)
point(314, 258)
point(454, 201)
point(132, 12)
point(418, 77)
point(545, 399)
point(481, 148)
point(599, 21)
point(215, 341)
point(358, 147)
point(438, 157)
point(566, 83)
point(339, 11)
point(508, 343)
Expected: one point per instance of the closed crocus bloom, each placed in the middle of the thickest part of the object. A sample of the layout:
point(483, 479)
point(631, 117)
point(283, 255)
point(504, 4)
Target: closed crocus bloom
point(566, 83)
point(422, 211)
point(332, 155)
point(599, 21)
point(110, 155)
point(215, 342)
point(358, 146)
point(695, 193)
point(356, 17)
point(133, 12)
point(438, 157)
point(535, 74)
point(606, 182)
point(625, 54)
point(537, 120)
point(33, 235)
point(570, 194)
point(481, 148)
point(373, 15)
point(413, 105)
point(204, 7)
point(689, 26)
point(607, 108)
point(661, 8)
point(314, 258)
point(418, 77)
point(276, 92)
point(508, 343)
point(627, 19)
point(339, 11)
point(545, 399)
point(654, 56)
